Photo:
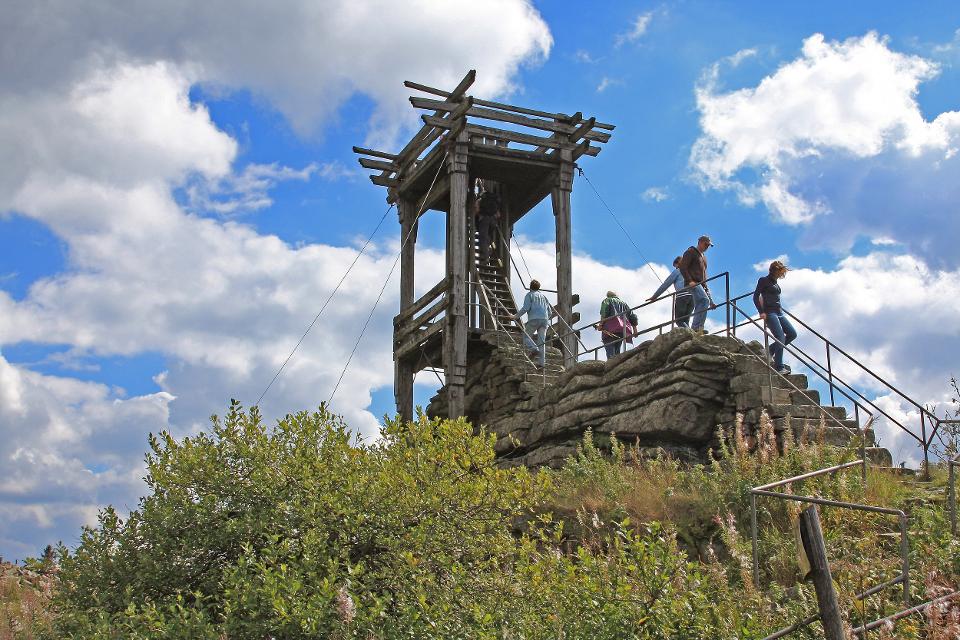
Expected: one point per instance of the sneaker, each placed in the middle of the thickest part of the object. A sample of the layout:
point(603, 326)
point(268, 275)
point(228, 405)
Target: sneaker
point(785, 370)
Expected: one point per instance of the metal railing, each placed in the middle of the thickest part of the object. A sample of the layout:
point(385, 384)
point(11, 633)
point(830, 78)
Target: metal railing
point(902, 579)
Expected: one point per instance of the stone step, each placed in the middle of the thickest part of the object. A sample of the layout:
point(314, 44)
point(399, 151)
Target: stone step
point(807, 396)
point(805, 411)
point(832, 433)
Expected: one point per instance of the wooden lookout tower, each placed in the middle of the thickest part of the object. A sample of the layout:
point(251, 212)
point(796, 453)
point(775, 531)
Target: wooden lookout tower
point(523, 155)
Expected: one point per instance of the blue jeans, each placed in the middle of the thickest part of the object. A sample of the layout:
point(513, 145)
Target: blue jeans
point(701, 302)
point(536, 327)
point(784, 333)
point(612, 344)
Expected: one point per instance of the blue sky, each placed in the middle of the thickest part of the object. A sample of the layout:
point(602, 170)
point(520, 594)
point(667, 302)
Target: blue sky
point(178, 199)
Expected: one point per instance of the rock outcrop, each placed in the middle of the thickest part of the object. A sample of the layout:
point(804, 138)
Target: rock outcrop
point(671, 394)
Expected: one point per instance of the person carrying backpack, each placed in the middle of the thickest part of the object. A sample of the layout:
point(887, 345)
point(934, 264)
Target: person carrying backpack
point(617, 323)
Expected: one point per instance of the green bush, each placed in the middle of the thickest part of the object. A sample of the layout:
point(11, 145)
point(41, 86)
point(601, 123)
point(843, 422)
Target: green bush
point(301, 531)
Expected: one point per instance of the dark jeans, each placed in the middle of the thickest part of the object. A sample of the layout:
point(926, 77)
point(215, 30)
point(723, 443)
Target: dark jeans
point(784, 333)
point(486, 225)
point(682, 308)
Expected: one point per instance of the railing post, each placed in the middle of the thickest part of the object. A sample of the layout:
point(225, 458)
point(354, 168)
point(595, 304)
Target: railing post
point(726, 282)
point(766, 357)
point(753, 538)
point(830, 374)
point(905, 559)
point(926, 446)
point(813, 544)
point(951, 464)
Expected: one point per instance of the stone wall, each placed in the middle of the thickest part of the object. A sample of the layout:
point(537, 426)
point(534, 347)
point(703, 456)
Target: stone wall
point(671, 394)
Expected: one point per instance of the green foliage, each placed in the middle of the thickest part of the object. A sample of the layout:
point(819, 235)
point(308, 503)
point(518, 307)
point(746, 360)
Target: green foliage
point(300, 531)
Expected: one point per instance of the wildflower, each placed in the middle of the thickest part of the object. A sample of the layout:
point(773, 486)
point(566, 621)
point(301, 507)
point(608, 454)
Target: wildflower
point(346, 609)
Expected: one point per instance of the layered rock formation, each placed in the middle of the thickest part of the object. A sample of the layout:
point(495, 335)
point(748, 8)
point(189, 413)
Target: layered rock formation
point(671, 394)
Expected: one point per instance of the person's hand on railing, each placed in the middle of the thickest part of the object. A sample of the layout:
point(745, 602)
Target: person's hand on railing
point(651, 299)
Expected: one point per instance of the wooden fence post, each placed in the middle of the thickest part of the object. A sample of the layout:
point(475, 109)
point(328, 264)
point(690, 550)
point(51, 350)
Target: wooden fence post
point(813, 544)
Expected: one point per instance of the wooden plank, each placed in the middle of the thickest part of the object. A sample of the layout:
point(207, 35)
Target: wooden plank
point(374, 153)
point(582, 130)
point(502, 116)
point(401, 334)
point(813, 544)
point(455, 338)
point(367, 163)
point(504, 106)
point(421, 302)
point(515, 136)
point(414, 343)
point(523, 155)
point(383, 181)
point(464, 84)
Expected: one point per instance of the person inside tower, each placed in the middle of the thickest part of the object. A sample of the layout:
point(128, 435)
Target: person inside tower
point(488, 216)
point(682, 299)
point(617, 323)
point(693, 267)
point(767, 299)
point(538, 310)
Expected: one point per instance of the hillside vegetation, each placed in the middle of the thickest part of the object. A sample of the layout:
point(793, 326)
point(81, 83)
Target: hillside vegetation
point(299, 531)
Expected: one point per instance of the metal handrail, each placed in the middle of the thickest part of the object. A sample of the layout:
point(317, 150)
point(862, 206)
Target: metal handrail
point(725, 275)
point(764, 490)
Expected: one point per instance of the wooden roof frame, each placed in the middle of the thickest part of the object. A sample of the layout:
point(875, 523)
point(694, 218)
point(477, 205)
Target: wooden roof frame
point(529, 151)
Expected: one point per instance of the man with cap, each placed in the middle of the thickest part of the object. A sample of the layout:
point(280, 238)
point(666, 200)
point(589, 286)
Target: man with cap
point(693, 268)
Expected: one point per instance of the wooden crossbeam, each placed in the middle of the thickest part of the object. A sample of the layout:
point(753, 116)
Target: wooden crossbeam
point(383, 181)
point(374, 153)
point(421, 302)
point(418, 339)
point(367, 163)
point(514, 136)
point(502, 116)
point(403, 332)
point(500, 105)
point(582, 130)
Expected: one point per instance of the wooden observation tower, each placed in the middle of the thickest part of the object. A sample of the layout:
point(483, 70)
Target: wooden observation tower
point(528, 155)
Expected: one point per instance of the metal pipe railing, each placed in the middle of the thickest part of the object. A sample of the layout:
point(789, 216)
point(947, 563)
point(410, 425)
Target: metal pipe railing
point(764, 490)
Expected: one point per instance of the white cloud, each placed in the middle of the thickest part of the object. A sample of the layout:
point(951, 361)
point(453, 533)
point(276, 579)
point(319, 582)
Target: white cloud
point(637, 28)
point(836, 140)
point(655, 194)
point(606, 82)
point(98, 133)
point(582, 55)
point(887, 311)
point(249, 190)
point(305, 59)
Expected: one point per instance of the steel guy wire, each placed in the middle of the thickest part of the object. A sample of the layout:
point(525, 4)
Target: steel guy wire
point(622, 228)
point(326, 302)
point(387, 280)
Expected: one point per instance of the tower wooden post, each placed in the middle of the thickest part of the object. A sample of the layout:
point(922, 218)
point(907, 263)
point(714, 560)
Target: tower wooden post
point(455, 336)
point(403, 370)
point(560, 197)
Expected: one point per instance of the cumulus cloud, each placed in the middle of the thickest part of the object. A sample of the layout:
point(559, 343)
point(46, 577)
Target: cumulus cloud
point(99, 134)
point(868, 306)
point(836, 141)
point(69, 447)
point(305, 58)
point(638, 27)
point(606, 82)
point(655, 194)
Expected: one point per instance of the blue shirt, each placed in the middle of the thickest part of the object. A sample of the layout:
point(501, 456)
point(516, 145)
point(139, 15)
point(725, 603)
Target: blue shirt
point(675, 279)
point(536, 305)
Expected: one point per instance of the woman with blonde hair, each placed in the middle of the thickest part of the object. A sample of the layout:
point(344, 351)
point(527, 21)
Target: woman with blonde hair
point(767, 299)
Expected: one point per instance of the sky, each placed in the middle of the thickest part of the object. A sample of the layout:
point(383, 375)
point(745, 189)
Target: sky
point(178, 199)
